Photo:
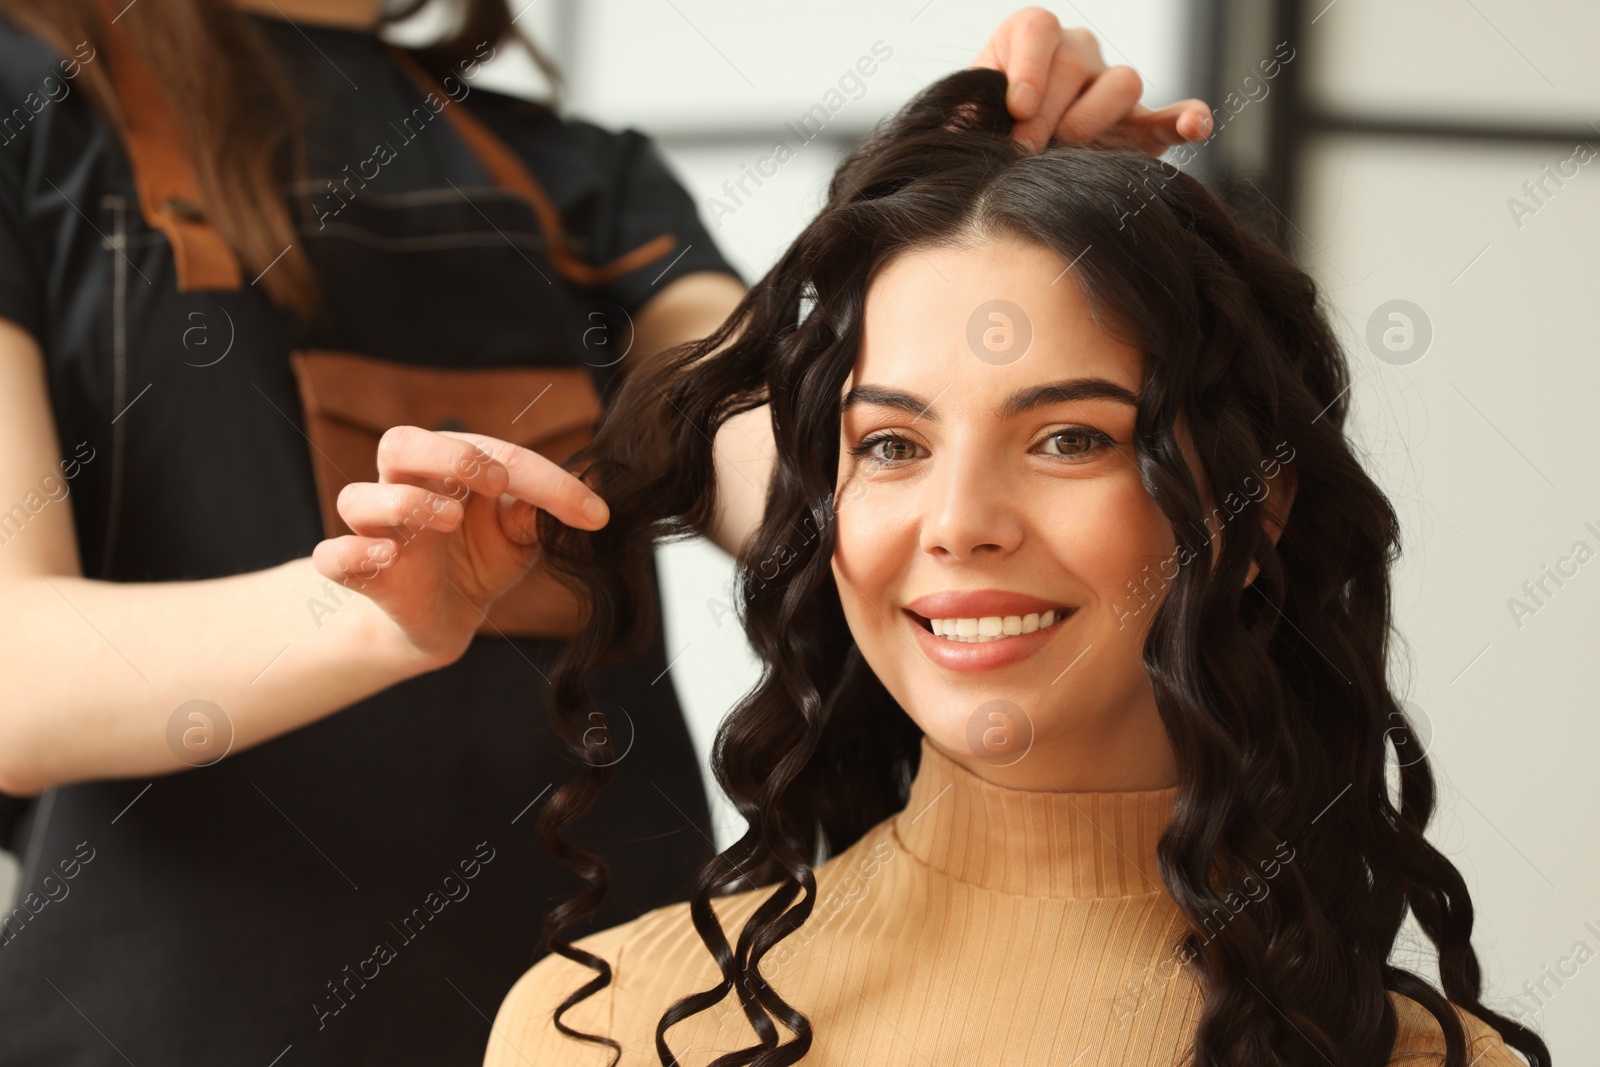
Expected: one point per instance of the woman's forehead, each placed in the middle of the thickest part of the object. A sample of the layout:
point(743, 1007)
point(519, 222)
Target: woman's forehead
point(983, 321)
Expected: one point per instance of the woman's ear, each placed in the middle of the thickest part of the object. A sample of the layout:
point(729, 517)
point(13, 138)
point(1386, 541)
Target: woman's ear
point(1276, 503)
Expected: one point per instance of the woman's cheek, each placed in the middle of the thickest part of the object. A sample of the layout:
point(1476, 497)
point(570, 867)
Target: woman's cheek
point(866, 621)
point(853, 569)
point(875, 547)
point(1104, 532)
point(1117, 548)
point(875, 536)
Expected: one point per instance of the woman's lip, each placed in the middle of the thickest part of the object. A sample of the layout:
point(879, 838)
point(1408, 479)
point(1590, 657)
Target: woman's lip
point(979, 603)
point(981, 655)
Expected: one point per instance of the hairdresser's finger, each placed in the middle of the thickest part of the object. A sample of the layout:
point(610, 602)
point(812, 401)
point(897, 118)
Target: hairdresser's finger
point(1101, 106)
point(1023, 47)
point(440, 461)
point(1070, 76)
point(351, 560)
point(1180, 123)
point(542, 483)
point(373, 508)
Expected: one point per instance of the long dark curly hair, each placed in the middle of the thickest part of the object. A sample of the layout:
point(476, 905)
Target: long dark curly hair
point(1274, 694)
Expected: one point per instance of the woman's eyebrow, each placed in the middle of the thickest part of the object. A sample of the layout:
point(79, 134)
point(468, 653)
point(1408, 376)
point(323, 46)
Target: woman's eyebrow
point(1019, 403)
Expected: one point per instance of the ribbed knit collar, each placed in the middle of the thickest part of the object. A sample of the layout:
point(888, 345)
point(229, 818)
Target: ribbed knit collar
point(1033, 843)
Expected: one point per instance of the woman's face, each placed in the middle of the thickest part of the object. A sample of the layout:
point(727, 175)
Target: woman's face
point(995, 490)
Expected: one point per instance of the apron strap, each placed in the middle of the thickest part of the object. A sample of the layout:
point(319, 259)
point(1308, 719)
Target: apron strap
point(171, 201)
point(169, 193)
point(510, 173)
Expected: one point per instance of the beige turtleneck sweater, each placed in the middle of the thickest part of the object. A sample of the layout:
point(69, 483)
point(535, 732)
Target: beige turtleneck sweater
point(979, 925)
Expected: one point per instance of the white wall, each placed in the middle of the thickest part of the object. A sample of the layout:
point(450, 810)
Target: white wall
point(1486, 444)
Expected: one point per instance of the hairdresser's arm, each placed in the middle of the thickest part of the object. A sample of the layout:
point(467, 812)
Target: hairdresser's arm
point(94, 670)
point(1060, 86)
point(690, 308)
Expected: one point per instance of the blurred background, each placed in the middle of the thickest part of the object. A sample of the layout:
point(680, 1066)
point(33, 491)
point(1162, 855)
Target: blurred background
point(1432, 164)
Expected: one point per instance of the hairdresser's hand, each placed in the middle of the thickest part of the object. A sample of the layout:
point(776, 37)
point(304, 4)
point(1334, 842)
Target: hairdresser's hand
point(1059, 85)
point(451, 520)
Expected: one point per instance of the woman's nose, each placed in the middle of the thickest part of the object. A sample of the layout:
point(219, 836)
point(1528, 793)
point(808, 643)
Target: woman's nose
point(970, 507)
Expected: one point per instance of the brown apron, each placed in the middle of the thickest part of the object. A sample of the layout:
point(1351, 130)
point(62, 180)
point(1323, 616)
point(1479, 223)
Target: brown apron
point(350, 398)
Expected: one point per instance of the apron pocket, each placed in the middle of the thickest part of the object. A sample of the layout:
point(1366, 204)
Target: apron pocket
point(349, 400)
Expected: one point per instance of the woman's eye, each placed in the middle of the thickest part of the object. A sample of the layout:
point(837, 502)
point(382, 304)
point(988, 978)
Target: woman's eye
point(885, 450)
point(1078, 442)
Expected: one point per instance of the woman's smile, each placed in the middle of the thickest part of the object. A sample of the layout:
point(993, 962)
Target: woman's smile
point(952, 622)
point(994, 641)
point(994, 627)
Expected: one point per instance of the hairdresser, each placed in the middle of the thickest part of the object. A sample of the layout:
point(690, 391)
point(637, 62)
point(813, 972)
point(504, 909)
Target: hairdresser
point(296, 328)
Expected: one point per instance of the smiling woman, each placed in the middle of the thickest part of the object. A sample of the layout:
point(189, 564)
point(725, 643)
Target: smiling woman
point(1063, 815)
point(979, 481)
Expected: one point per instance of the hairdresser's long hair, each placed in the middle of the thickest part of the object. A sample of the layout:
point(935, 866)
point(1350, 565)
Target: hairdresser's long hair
point(1274, 696)
point(239, 114)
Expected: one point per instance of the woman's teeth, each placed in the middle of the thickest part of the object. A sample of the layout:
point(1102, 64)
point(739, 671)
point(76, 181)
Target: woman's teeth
point(993, 627)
